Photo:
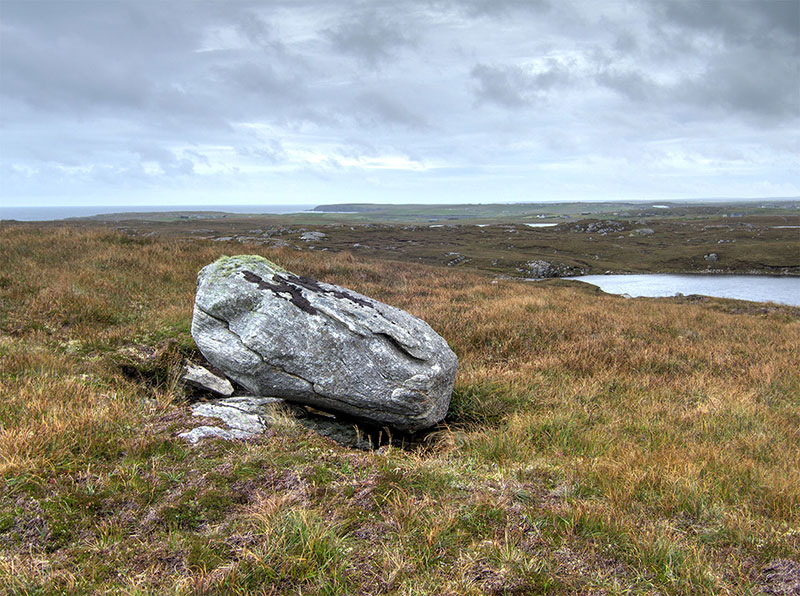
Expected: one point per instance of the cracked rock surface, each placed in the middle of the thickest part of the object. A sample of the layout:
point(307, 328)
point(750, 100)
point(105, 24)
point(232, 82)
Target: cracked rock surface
point(319, 344)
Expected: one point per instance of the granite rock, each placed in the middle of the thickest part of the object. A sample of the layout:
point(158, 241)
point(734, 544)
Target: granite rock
point(309, 342)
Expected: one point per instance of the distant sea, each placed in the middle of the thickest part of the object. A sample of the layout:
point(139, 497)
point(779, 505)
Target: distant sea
point(64, 212)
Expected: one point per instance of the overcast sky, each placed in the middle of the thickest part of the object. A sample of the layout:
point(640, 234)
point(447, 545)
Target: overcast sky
point(304, 101)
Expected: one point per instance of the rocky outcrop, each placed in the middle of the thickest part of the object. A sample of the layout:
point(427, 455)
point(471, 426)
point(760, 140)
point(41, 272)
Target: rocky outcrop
point(600, 227)
point(542, 269)
point(282, 335)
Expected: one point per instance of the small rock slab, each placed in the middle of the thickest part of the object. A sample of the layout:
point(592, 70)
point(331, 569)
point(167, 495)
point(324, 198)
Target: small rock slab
point(199, 433)
point(247, 416)
point(202, 378)
point(244, 415)
point(247, 413)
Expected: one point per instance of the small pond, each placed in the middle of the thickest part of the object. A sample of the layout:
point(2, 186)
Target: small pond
point(758, 288)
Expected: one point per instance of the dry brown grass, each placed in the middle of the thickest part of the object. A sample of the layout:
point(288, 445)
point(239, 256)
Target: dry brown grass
point(595, 444)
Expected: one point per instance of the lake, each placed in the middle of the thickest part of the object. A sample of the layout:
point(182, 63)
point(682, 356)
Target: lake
point(758, 288)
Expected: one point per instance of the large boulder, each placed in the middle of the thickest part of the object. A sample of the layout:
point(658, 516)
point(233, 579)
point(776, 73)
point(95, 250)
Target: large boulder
point(282, 335)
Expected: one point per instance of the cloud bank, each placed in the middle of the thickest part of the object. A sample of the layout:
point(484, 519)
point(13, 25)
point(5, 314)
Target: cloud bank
point(435, 100)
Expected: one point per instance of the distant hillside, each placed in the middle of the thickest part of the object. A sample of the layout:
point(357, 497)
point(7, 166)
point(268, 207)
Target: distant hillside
point(348, 208)
point(698, 207)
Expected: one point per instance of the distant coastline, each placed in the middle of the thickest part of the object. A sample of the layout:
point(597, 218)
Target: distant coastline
point(66, 211)
point(440, 210)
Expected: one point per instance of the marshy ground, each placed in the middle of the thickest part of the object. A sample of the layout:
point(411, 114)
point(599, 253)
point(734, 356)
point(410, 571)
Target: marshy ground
point(595, 445)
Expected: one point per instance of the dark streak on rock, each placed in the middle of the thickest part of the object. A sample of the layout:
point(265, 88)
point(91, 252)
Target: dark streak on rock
point(291, 284)
point(313, 285)
point(282, 287)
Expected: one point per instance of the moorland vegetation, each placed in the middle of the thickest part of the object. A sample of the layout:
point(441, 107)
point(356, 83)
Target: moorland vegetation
point(508, 240)
point(595, 444)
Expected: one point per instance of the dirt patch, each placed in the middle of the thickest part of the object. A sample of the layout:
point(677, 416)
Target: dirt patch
point(496, 581)
point(780, 577)
point(29, 528)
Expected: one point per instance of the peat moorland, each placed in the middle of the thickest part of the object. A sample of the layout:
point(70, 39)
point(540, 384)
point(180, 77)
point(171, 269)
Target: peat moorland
point(595, 444)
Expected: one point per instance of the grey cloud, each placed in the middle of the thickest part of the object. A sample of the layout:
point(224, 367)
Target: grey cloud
point(631, 84)
point(746, 81)
point(271, 151)
point(709, 14)
point(198, 157)
point(119, 27)
point(754, 83)
point(496, 8)
point(92, 90)
point(370, 37)
point(735, 20)
point(505, 86)
point(384, 110)
point(747, 51)
point(626, 43)
point(514, 86)
point(256, 29)
point(781, 14)
point(65, 76)
point(169, 163)
point(127, 55)
point(265, 81)
point(110, 59)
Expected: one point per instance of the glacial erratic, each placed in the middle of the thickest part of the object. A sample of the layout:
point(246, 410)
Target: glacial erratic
point(294, 337)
